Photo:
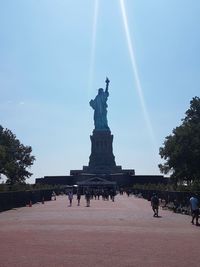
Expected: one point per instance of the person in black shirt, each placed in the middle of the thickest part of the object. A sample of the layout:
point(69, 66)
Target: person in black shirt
point(155, 204)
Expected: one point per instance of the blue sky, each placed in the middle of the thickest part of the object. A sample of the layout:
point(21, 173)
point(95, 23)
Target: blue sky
point(54, 55)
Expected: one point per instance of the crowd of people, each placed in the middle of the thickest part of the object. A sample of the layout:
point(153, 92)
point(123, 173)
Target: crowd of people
point(107, 194)
point(89, 194)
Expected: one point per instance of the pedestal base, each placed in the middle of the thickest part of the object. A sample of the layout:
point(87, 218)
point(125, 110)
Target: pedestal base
point(102, 159)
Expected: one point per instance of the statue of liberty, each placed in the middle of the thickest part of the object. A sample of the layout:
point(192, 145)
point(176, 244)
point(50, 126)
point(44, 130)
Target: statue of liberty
point(99, 104)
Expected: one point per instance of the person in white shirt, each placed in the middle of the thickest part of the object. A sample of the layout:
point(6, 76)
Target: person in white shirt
point(194, 203)
point(70, 197)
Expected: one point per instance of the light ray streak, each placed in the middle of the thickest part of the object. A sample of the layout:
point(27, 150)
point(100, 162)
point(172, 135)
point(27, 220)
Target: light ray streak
point(92, 56)
point(135, 71)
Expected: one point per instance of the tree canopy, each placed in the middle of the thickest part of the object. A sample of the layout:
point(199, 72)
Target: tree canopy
point(181, 149)
point(15, 158)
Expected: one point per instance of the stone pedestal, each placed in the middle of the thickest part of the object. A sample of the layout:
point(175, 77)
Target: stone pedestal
point(102, 159)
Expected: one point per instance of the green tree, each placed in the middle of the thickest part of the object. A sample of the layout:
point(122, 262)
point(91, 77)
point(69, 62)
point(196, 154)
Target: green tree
point(15, 158)
point(181, 149)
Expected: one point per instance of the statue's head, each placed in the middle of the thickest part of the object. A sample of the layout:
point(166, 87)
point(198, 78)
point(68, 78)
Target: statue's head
point(100, 91)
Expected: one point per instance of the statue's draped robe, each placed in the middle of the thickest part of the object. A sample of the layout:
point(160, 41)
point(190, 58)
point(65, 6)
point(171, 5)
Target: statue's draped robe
point(100, 111)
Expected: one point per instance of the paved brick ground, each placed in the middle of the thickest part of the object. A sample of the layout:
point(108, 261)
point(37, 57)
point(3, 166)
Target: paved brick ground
point(120, 234)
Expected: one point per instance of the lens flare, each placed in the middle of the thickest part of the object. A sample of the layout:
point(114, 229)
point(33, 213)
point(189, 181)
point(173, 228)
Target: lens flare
point(135, 71)
point(92, 56)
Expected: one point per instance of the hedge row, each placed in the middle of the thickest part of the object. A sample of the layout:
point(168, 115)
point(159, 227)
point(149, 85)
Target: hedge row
point(10, 200)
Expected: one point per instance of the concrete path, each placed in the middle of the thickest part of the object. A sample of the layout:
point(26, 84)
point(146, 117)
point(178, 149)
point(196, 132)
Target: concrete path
point(119, 234)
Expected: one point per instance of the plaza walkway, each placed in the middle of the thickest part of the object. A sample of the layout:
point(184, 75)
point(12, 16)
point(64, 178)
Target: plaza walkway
point(119, 234)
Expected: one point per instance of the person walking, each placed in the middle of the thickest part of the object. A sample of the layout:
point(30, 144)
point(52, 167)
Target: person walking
point(155, 204)
point(78, 198)
point(194, 203)
point(70, 197)
point(87, 197)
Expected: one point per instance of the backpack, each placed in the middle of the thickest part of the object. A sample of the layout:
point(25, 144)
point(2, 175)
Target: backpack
point(155, 200)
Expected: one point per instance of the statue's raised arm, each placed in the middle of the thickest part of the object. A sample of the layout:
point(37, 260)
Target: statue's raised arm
point(107, 84)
